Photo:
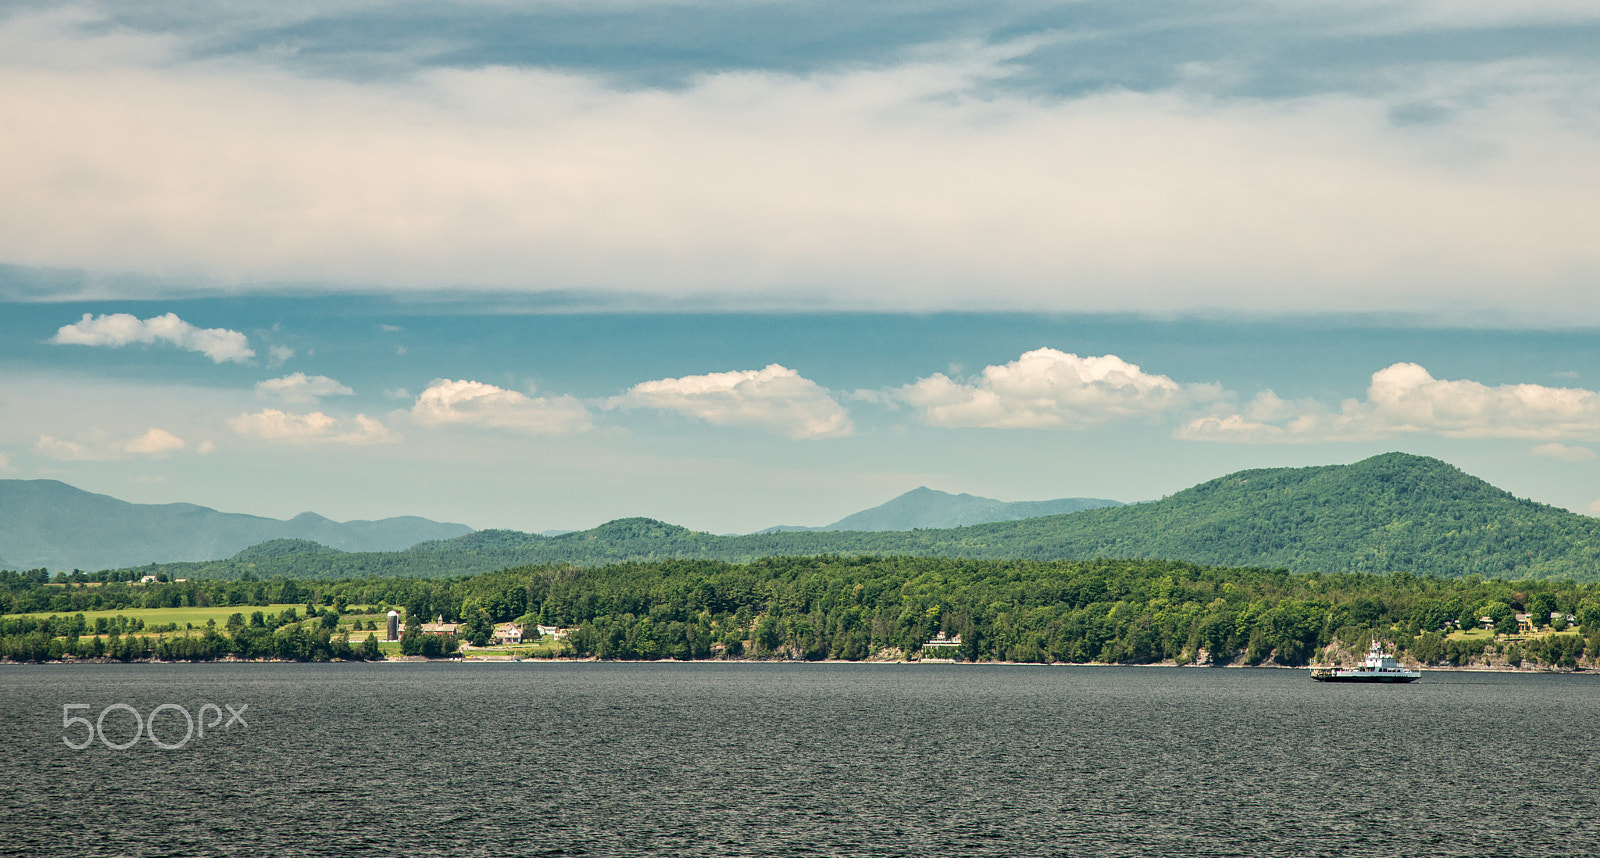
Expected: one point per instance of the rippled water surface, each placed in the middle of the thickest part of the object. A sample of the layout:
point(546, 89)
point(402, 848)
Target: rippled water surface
point(792, 759)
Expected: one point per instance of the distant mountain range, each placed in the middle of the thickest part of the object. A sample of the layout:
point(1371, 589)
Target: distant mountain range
point(46, 523)
point(1390, 513)
point(923, 507)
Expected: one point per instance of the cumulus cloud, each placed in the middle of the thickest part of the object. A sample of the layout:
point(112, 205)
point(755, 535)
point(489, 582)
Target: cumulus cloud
point(97, 447)
point(156, 442)
point(121, 329)
point(1564, 452)
point(1050, 388)
point(279, 355)
point(300, 388)
point(775, 398)
point(52, 447)
point(478, 404)
point(906, 184)
point(271, 424)
point(1405, 398)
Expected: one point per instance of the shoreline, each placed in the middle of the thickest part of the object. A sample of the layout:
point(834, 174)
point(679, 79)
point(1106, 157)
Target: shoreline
point(417, 659)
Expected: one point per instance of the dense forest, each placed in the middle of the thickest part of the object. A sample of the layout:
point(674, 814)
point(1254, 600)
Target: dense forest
point(1390, 513)
point(859, 607)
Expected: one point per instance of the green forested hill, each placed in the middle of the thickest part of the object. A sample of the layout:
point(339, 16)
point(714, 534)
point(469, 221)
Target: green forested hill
point(1394, 512)
point(1389, 513)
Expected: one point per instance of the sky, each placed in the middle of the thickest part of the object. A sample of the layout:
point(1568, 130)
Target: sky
point(736, 264)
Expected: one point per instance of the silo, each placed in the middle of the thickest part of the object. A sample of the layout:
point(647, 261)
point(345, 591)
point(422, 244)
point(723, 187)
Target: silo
point(394, 626)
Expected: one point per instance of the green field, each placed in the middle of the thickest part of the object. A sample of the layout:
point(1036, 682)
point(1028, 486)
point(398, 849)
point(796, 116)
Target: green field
point(194, 616)
point(1488, 637)
point(194, 619)
point(542, 649)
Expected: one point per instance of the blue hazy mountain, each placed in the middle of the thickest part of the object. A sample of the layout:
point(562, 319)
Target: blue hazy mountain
point(924, 508)
point(47, 523)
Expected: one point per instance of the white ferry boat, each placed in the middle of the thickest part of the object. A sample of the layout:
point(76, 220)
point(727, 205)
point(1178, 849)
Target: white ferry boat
point(1379, 666)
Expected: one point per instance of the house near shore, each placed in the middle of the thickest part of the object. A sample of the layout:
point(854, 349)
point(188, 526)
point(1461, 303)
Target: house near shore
point(940, 642)
point(440, 627)
point(508, 633)
point(552, 631)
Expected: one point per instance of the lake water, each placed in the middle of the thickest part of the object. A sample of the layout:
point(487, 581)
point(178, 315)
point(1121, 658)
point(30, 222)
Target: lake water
point(795, 759)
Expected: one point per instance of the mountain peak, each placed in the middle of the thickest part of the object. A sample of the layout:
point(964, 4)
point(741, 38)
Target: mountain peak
point(923, 508)
point(636, 528)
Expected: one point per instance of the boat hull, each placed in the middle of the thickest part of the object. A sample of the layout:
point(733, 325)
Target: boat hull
point(1367, 679)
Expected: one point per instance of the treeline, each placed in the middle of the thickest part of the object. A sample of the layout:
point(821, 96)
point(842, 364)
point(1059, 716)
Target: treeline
point(1120, 611)
point(35, 591)
point(1130, 612)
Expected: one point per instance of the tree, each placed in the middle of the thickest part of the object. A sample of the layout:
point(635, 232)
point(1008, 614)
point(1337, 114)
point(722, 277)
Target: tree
point(768, 635)
point(1428, 647)
point(1540, 607)
point(479, 631)
point(1502, 615)
point(411, 641)
point(370, 650)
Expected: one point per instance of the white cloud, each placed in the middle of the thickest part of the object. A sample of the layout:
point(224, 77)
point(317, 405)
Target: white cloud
point(271, 424)
point(121, 329)
point(97, 446)
point(66, 451)
point(1564, 452)
point(279, 355)
point(894, 185)
point(300, 388)
point(775, 398)
point(1229, 427)
point(156, 442)
point(1405, 398)
point(1050, 388)
point(475, 403)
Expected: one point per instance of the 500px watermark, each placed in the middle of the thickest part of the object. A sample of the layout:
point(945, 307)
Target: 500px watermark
point(146, 726)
